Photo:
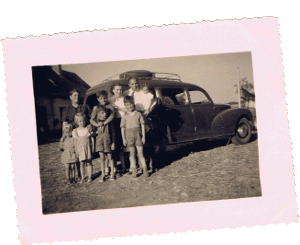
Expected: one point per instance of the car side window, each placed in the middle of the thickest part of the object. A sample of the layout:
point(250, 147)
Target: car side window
point(198, 97)
point(173, 96)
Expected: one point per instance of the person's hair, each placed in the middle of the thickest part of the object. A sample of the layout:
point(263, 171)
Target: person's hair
point(67, 131)
point(144, 85)
point(115, 85)
point(128, 99)
point(79, 115)
point(101, 108)
point(73, 91)
point(133, 78)
point(101, 93)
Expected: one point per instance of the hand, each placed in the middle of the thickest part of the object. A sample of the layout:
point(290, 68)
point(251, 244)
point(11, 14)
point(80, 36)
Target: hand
point(113, 146)
point(100, 124)
point(89, 127)
point(125, 142)
point(143, 140)
point(146, 113)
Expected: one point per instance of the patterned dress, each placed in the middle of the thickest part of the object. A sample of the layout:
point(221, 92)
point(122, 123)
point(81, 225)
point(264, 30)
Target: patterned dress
point(83, 144)
point(68, 155)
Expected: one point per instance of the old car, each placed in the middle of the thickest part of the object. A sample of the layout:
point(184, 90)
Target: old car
point(183, 113)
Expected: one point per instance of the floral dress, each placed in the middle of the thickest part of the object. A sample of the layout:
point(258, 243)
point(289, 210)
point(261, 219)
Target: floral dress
point(83, 144)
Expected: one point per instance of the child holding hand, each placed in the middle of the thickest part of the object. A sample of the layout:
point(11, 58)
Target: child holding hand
point(83, 145)
point(102, 98)
point(68, 156)
point(105, 142)
point(134, 135)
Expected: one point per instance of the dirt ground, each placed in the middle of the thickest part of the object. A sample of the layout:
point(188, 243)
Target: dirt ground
point(197, 172)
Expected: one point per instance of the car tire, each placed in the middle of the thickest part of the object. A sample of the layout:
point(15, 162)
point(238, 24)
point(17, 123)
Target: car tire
point(242, 133)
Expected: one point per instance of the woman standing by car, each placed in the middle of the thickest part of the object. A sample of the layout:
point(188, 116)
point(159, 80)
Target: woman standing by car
point(70, 111)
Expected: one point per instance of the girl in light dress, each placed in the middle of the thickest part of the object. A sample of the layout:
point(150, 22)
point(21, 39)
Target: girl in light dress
point(83, 145)
point(68, 156)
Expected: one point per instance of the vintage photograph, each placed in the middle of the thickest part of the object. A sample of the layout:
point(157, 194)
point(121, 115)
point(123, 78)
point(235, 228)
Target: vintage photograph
point(146, 132)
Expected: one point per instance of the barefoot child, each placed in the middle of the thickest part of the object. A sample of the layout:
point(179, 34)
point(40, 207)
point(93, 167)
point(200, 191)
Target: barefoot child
point(83, 145)
point(68, 156)
point(105, 142)
point(117, 101)
point(133, 135)
point(102, 98)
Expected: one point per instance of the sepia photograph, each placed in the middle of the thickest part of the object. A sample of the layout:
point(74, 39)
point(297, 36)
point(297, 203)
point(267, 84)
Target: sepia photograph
point(146, 132)
point(151, 130)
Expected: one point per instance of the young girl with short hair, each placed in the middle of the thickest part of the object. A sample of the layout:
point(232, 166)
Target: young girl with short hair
point(68, 156)
point(83, 145)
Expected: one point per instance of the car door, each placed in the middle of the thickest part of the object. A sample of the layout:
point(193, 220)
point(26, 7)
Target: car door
point(177, 113)
point(204, 112)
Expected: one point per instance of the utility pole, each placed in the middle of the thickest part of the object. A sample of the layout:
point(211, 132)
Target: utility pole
point(238, 86)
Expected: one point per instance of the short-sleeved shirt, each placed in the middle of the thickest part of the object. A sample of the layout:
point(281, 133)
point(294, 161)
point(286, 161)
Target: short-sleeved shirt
point(143, 101)
point(132, 120)
point(69, 112)
point(119, 102)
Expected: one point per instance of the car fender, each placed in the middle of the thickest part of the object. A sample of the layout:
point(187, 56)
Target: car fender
point(229, 119)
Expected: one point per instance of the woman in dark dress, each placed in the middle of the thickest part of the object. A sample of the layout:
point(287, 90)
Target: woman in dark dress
point(69, 112)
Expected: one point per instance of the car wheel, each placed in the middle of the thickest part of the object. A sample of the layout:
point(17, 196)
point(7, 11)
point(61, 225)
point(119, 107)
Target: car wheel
point(243, 132)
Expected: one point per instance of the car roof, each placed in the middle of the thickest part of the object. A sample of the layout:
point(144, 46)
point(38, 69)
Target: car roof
point(152, 79)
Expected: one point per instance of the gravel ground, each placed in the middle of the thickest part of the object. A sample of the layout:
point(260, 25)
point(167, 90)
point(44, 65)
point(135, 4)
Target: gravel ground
point(197, 172)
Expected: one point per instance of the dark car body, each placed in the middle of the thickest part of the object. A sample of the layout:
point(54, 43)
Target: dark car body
point(184, 112)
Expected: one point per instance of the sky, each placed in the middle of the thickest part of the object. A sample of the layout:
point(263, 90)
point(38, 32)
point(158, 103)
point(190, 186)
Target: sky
point(216, 73)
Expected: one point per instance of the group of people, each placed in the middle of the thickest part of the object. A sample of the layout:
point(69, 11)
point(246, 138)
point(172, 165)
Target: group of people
point(115, 123)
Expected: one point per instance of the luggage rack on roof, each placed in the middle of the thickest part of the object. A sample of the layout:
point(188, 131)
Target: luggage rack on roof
point(155, 75)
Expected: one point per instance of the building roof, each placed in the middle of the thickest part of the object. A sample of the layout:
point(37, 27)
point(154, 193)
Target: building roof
point(47, 83)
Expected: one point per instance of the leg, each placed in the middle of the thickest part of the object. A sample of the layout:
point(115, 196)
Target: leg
point(89, 168)
point(82, 165)
point(106, 165)
point(72, 171)
point(102, 166)
point(78, 170)
point(132, 155)
point(121, 156)
point(112, 165)
point(67, 170)
point(142, 160)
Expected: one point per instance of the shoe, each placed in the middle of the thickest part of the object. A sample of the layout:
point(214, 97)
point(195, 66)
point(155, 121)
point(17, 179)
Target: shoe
point(112, 178)
point(81, 181)
point(101, 179)
point(89, 180)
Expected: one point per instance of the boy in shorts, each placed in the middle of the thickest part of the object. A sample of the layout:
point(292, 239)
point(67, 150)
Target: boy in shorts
point(105, 142)
point(134, 135)
point(102, 98)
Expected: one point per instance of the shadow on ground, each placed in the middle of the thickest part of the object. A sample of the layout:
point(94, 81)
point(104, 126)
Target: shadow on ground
point(177, 152)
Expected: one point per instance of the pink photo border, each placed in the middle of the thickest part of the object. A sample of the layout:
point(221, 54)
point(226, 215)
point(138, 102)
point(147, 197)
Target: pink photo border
point(260, 36)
